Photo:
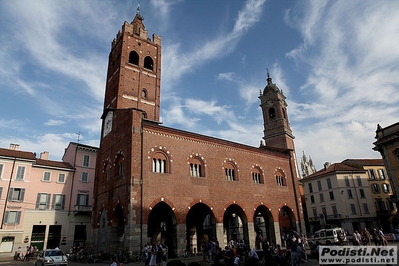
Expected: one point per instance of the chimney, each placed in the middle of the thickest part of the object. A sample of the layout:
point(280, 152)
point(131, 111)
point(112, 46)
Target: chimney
point(44, 155)
point(14, 147)
point(326, 165)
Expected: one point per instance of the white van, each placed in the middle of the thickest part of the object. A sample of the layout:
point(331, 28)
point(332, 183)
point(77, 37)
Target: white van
point(331, 236)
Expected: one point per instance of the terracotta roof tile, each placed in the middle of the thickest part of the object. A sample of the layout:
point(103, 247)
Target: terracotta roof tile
point(54, 164)
point(17, 154)
point(336, 167)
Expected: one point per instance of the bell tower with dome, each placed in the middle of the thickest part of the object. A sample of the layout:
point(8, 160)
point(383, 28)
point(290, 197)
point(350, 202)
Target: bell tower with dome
point(277, 131)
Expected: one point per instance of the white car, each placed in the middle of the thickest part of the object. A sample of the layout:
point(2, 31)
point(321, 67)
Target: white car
point(331, 236)
point(51, 257)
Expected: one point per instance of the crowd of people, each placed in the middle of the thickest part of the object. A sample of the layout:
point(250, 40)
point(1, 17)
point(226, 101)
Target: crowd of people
point(155, 255)
point(364, 237)
point(30, 252)
point(236, 252)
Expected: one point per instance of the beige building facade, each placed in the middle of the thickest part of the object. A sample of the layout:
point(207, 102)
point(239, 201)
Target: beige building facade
point(387, 144)
point(339, 196)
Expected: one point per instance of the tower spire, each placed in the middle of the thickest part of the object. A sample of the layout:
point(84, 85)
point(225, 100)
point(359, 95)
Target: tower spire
point(138, 15)
point(269, 79)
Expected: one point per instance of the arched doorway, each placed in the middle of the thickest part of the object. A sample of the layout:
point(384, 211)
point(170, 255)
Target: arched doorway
point(235, 224)
point(263, 226)
point(286, 220)
point(117, 233)
point(102, 243)
point(162, 227)
point(201, 227)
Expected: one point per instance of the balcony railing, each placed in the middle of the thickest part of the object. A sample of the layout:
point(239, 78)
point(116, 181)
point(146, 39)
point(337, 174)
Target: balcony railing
point(386, 212)
point(83, 209)
point(334, 217)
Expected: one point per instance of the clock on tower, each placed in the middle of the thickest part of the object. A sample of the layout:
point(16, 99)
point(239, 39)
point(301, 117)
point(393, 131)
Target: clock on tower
point(108, 123)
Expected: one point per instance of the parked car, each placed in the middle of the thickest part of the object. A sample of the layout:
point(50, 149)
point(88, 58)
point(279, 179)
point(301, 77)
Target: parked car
point(331, 236)
point(51, 257)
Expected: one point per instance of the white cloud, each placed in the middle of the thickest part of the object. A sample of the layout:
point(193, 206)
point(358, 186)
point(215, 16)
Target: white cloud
point(53, 122)
point(348, 49)
point(175, 63)
point(164, 7)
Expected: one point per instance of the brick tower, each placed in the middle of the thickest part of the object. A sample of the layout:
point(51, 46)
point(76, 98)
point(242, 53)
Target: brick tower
point(277, 131)
point(132, 94)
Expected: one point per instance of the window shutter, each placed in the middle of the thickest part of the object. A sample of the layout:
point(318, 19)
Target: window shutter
point(10, 194)
point(53, 202)
point(48, 201)
point(38, 201)
point(17, 219)
point(63, 202)
point(21, 197)
point(6, 217)
point(77, 200)
point(87, 200)
point(1, 191)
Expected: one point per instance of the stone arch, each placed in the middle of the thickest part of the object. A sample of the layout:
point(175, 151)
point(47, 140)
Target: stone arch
point(287, 219)
point(162, 225)
point(263, 225)
point(235, 224)
point(200, 225)
point(102, 238)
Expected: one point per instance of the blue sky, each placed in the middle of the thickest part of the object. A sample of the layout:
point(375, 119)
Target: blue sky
point(337, 62)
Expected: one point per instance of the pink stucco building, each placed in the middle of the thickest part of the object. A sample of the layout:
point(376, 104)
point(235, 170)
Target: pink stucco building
point(43, 202)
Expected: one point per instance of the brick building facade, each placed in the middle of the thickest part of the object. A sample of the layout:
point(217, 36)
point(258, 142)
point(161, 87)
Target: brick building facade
point(154, 183)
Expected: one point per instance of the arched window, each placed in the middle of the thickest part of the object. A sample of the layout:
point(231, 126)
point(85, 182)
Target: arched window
point(148, 63)
point(257, 176)
point(160, 163)
point(144, 94)
point(197, 167)
point(119, 158)
point(272, 113)
point(280, 179)
point(134, 58)
point(230, 171)
point(107, 170)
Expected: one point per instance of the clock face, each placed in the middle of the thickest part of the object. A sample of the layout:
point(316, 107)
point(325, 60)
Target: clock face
point(108, 123)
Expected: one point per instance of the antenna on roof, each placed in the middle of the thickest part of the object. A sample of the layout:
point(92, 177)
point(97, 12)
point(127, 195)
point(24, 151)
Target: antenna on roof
point(79, 133)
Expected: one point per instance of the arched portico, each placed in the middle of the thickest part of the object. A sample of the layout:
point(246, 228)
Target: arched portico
point(102, 238)
point(287, 220)
point(162, 227)
point(263, 226)
point(117, 229)
point(201, 227)
point(235, 224)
